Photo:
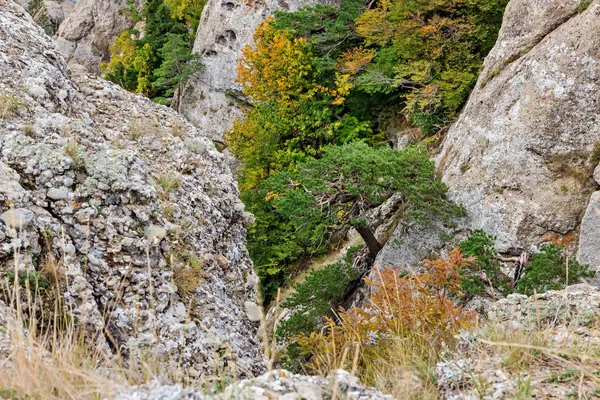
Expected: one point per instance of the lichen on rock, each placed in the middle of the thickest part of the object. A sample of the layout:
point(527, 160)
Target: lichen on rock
point(105, 183)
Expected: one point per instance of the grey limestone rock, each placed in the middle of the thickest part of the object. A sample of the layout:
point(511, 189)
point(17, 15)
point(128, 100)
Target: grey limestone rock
point(578, 305)
point(103, 181)
point(519, 158)
point(85, 35)
point(589, 236)
point(274, 385)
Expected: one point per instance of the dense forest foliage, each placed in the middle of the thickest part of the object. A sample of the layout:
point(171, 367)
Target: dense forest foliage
point(326, 87)
point(326, 76)
point(154, 62)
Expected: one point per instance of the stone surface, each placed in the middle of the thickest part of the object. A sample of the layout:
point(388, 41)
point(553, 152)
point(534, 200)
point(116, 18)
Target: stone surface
point(5, 342)
point(495, 361)
point(578, 305)
point(519, 156)
point(589, 236)
point(226, 27)
point(59, 10)
point(407, 246)
point(274, 385)
point(145, 193)
point(85, 35)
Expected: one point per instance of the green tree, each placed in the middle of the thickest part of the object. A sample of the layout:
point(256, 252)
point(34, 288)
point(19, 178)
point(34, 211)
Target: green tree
point(296, 109)
point(548, 271)
point(480, 246)
point(321, 292)
point(130, 64)
point(300, 212)
point(188, 11)
point(157, 63)
point(430, 51)
point(178, 64)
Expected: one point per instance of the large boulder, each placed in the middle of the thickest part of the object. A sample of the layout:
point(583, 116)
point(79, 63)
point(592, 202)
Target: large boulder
point(134, 206)
point(85, 36)
point(211, 98)
point(521, 156)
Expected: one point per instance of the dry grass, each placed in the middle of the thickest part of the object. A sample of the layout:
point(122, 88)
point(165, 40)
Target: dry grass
point(29, 130)
point(178, 130)
point(74, 151)
point(44, 354)
point(168, 183)
point(187, 272)
point(47, 357)
point(394, 340)
point(136, 130)
point(53, 366)
point(542, 361)
point(405, 369)
point(9, 105)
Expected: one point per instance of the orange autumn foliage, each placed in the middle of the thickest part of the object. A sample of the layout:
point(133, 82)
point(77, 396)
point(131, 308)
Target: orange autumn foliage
point(293, 113)
point(417, 307)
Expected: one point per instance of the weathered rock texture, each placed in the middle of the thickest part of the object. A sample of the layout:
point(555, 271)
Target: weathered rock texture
point(519, 158)
point(495, 362)
point(589, 241)
point(85, 36)
point(577, 305)
point(274, 385)
point(58, 10)
point(226, 27)
point(5, 340)
point(121, 194)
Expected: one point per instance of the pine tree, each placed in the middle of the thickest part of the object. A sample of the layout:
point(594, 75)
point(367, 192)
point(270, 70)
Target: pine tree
point(178, 64)
point(301, 212)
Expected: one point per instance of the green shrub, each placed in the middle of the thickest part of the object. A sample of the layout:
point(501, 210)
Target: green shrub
point(548, 271)
point(34, 280)
point(583, 5)
point(481, 246)
point(322, 291)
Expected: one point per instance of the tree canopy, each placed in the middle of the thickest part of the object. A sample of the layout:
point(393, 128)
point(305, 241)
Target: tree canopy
point(299, 212)
point(156, 62)
point(323, 85)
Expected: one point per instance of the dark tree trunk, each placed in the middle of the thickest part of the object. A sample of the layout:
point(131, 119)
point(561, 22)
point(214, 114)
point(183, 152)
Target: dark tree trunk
point(370, 239)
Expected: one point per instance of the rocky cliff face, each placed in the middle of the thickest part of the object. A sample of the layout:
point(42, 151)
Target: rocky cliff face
point(521, 156)
point(226, 27)
point(58, 10)
point(85, 36)
point(134, 206)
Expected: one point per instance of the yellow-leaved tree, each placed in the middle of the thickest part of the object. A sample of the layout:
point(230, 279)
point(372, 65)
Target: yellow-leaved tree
point(130, 65)
point(187, 10)
point(295, 109)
